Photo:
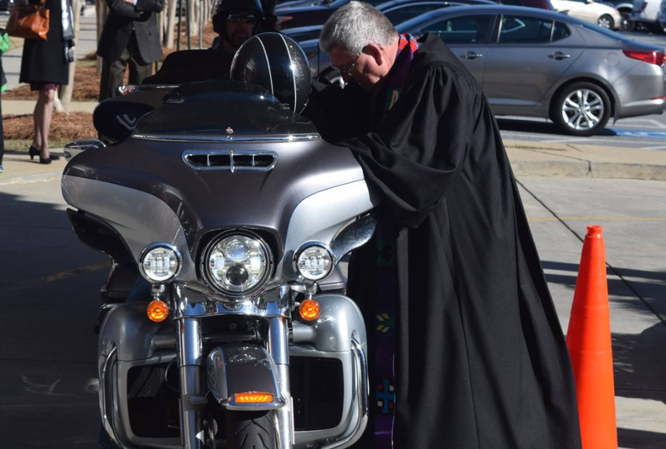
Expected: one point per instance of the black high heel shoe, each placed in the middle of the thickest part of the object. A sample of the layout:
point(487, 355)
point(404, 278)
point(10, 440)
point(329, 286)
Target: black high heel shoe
point(32, 151)
point(35, 152)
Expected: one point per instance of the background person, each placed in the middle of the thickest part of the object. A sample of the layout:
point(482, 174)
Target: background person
point(45, 65)
point(470, 354)
point(235, 21)
point(129, 38)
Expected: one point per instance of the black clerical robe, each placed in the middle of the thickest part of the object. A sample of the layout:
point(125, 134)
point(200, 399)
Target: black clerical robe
point(480, 358)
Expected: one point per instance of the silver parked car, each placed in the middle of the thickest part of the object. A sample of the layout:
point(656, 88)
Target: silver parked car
point(538, 63)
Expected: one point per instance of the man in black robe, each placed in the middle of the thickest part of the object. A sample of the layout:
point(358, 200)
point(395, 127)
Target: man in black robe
point(466, 348)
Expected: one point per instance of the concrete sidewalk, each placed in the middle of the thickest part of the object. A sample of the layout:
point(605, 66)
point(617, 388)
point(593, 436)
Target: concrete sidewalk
point(527, 159)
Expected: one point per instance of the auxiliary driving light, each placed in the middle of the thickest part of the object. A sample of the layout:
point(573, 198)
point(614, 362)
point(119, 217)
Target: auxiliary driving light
point(313, 261)
point(309, 310)
point(160, 262)
point(157, 311)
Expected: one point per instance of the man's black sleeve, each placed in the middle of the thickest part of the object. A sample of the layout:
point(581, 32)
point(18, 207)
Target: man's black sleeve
point(415, 155)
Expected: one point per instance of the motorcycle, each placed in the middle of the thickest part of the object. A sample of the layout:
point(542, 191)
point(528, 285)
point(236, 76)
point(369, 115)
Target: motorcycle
point(237, 215)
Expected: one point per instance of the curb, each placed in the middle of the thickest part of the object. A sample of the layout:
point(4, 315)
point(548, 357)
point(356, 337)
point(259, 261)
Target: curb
point(589, 169)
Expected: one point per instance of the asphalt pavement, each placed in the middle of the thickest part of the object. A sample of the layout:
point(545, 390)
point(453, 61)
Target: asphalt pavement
point(565, 186)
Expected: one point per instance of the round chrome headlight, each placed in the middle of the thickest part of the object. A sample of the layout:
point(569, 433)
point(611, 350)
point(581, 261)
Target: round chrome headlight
point(237, 264)
point(160, 262)
point(313, 261)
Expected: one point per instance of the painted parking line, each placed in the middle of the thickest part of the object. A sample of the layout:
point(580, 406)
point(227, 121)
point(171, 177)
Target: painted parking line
point(597, 219)
point(639, 133)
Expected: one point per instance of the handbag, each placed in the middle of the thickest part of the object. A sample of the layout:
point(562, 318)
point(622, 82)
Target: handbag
point(28, 21)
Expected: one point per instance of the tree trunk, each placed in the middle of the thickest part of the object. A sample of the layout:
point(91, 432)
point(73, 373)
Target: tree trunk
point(101, 11)
point(65, 92)
point(171, 24)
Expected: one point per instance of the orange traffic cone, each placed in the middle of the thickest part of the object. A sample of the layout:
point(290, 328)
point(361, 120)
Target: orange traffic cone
point(589, 343)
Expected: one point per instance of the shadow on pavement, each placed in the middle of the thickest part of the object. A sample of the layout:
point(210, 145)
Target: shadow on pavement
point(639, 360)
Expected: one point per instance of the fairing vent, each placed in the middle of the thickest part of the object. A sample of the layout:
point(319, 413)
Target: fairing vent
point(230, 160)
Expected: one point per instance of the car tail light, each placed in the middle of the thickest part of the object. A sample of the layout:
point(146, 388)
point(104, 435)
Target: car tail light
point(652, 57)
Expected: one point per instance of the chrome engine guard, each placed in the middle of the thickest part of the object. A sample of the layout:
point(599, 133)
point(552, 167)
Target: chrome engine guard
point(307, 342)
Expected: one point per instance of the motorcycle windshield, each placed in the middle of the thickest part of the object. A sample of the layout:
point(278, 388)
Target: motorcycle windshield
point(222, 108)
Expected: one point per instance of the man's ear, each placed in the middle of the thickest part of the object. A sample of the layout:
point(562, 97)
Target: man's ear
point(376, 52)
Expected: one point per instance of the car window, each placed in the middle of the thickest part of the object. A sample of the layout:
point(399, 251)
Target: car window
point(525, 30)
point(461, 30)
point(560, 32)
point(401, 13)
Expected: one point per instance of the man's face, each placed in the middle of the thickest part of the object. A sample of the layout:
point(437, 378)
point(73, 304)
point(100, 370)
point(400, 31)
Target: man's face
point(360, 69)
point(240, 27)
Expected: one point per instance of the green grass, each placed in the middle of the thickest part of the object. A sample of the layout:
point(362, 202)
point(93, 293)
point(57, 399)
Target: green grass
point(22, 145)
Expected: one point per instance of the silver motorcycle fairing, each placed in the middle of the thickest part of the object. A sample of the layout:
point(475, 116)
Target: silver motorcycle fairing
point(339, 333)
point(134, 198)
point(243, 368)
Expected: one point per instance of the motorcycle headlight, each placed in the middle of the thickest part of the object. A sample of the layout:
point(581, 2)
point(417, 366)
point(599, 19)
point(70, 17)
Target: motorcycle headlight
point(160, 262)
point(313, 261)
point(237, 264)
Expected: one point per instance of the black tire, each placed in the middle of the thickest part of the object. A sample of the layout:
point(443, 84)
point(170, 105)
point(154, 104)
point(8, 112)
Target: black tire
point(575, 98)
point(250, 430)
point(626, 24)
point(656, 28)
point(606, 21)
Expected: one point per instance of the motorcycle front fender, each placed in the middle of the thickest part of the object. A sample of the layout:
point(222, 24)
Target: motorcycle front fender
point(243, 377)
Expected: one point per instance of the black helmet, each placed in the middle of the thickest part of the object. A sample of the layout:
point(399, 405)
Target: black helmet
point(224, 7)
point(276, 63)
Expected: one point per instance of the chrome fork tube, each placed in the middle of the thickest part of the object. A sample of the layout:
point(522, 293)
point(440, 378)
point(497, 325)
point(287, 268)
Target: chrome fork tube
point(278, 347)
point(190, 365)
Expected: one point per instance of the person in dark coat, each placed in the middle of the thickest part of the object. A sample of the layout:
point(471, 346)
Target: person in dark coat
point(466, 348)
point(235, 21)
point(129, 37)
point(45, 65)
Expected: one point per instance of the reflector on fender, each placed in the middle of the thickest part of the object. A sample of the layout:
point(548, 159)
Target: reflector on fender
point(309, 310)
point(255, 397)
point(157, 311)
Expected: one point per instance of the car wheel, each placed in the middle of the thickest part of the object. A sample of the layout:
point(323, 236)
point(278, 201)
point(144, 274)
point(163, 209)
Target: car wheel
point(656, 28)
point(626, 24)
point(606, 21)
point(581, 109)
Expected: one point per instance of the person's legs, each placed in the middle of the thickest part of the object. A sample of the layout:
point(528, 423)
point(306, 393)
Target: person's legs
point(138, 69)
point(37, 119)
point(43, 120)
point(2, 139)
point(113, 73)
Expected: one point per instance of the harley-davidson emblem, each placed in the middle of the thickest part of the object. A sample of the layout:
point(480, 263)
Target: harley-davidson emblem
point(229, 131)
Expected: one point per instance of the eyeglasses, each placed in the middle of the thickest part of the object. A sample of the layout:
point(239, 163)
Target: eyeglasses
point(236, 18)
point(347, 70)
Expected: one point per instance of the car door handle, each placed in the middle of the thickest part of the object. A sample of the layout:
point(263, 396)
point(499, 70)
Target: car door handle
point(558, 55)
point(471, 55)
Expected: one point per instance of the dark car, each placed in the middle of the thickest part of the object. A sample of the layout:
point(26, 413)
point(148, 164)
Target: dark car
point(397, 11)
point(6, 5)
point(538, 63)
point(300, 15)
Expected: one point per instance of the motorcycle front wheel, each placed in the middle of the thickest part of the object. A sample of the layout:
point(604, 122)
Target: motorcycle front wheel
point(251, 430)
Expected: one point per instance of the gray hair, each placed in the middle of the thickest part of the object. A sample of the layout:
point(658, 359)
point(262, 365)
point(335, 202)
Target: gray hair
point(354, 26)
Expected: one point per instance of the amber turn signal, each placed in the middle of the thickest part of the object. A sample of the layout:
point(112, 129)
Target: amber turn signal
point(253, 398)
point(157, 311)
point(309, 310)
